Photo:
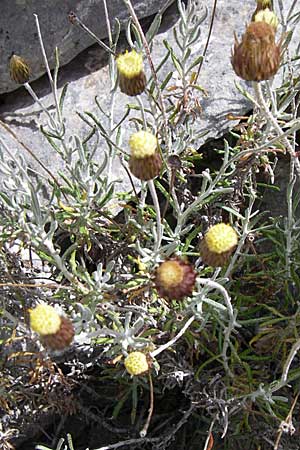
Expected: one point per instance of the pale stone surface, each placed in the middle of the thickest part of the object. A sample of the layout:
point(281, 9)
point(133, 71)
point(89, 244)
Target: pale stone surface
point(88, 77)
point(18, 32)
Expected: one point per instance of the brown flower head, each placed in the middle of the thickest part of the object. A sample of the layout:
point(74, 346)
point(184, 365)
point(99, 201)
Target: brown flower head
point(19, 69)
point(257, 56)
point(145, 161)
point(175, 279)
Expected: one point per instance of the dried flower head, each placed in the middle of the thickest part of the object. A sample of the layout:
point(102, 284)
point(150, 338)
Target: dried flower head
point(132, 79)
point(19, 69)
point(175, 279)
point(136, 363)
point(257, 56)
point(145, 161)
point(56, 331)
point(72, 18)
point(218, 244)
point(267, 16)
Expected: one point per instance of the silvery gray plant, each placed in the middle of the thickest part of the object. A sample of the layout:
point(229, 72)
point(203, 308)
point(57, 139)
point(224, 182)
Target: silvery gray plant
point(84, 192)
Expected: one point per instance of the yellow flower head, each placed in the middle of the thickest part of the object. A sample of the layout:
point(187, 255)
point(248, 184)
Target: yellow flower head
point(44, 319)
point(130, 64)
point(265, 15)
point(221, 238)
point(175, 279)
point(170, 273)
point(136, 363)
point(142, 144)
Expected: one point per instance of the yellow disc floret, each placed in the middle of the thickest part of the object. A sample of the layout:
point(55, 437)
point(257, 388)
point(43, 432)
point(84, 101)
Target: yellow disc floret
point(170, 273)
point(130, 64)
point(136, 363)
point(175, 279)
point(265, 15)
point(44, 319)
point(142, 144)
point(221, 238)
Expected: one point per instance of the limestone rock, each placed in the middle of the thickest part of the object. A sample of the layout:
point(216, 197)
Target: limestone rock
point(88, 76)
point(18, 33)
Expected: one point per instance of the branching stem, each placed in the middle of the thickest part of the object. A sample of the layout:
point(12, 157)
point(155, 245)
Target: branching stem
point(269, 117)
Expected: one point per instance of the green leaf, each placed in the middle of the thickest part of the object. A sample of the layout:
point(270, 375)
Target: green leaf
point(166, 81)
point(233, 212)
point(120, 404)
point(244, 92)
point(154, 27)
point(62, 97)
point(195, 63)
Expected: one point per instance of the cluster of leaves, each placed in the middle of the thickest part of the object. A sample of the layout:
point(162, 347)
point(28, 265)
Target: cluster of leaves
point(230, 361)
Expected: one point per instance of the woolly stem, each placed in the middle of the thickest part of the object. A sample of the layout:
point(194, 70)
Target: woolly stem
point(37, 100)
point(172, 341)
point(144, 431)
point(159, 227)
point(52, 82)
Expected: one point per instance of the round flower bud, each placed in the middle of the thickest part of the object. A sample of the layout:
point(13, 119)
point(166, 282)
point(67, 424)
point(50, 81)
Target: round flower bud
point(267, 16)
point(19, 69)
point(136, 363)
point(145, 161)
point(175, 279)
point(56, 332)
point(260, 5)
point(218, 244)
point(44, 319)
point(257, 56)
point(132, 79)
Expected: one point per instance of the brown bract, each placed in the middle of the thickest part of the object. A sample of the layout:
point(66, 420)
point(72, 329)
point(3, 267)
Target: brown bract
point(257, 56)
point(175, 279)
point(146, 168)
point(132, 86)
point(62, 338)
point(214, 259)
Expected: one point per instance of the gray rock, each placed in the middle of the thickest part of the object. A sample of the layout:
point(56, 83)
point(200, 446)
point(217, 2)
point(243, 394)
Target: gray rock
point(88, 76)
point(18, 32)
